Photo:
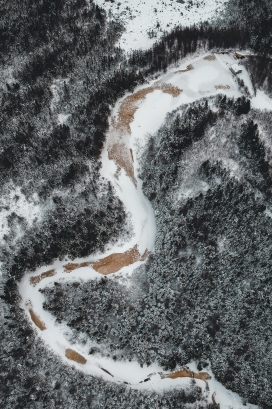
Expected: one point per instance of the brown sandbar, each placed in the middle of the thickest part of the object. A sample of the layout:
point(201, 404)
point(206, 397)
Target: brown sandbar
point(75, 356)
point(185, 373)
point(37, 321)
point(35, 280)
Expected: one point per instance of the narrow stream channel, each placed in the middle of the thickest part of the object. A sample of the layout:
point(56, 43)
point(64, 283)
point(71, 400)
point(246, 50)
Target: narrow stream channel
point(132, 118)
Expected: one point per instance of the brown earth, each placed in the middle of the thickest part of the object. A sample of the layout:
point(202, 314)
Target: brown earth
point(222, 86)
point(214, 401)
point(145, 255)
point(210, 58)
point(71, 266)
point(130, 104)
point(75, 356)
point(120, 154)
point(35, 280)
point(37, 320)
point(115, 262)
point(169, 89)
point(188, 68)
point(118, 151)
point(184, 373)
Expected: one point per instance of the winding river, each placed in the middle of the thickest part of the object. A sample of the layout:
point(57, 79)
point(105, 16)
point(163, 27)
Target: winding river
point(133, 118)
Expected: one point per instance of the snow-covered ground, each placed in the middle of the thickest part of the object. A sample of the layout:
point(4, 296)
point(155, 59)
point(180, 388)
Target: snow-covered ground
point(14, 202)
point(201, 80)
point(146, 20)
point(261, 101)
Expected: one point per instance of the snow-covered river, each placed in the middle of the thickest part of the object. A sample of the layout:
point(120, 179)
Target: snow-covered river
point(207, 77)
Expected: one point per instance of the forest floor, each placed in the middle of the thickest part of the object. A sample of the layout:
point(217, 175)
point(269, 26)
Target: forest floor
point(134, 118)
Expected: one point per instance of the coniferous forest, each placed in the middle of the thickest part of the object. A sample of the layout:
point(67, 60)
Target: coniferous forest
point(204, 295)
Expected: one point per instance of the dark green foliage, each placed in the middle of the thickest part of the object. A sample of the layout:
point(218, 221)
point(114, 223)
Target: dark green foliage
point(64, 62)
point(260, 71)
point(250, 144)
point(253, 149)
point(239, 106)
point(204, 294)
point(254, 16)
point(34, 377)
point(175, 138)
point(182, 41)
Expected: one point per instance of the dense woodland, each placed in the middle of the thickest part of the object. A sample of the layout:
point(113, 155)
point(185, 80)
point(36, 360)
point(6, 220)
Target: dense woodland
point(61, 72)
point(205, 293)
point(256, 17)
point(260, 71)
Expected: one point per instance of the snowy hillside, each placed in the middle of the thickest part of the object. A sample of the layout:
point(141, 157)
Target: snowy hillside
point(135, 204)
point(145, 21)
point(134, 119)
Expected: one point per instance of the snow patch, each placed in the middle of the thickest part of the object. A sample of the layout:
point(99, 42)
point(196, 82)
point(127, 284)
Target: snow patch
point(145, 21)
point(261, 101)
point(204, 75)
point(62, 118)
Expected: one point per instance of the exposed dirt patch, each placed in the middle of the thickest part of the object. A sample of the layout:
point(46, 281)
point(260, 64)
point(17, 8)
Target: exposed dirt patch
point(112, 263)
point(115, 262)
point(35, 280)
point(188, 68)
point(37, 320)
point(214, 401)
point(222, 86)
point(130, 104)
point(210, 58)
point(119, 151)
point(185, 373)
point(75, 356)
point(145, 255)
point(120, 154)
point(71, 266)
point(128, 109)
point(169, 89)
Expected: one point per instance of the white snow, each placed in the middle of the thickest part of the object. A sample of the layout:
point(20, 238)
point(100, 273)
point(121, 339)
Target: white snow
point(261, 101)
point(236, 68)
point(136, 204)
point(150, 115)
point(148, 118)
point(141, 17)
point(62, 118)
point(195, 84)
point(202, 76)
point(199, 82)
point(226, 398)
